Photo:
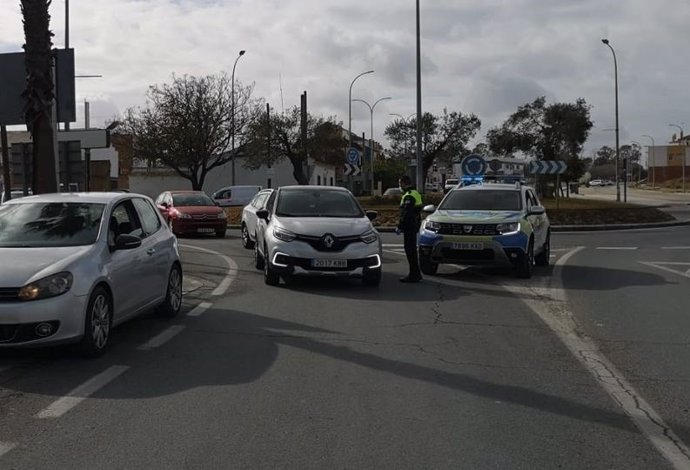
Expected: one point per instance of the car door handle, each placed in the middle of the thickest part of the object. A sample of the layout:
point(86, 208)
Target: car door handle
point(150, 251)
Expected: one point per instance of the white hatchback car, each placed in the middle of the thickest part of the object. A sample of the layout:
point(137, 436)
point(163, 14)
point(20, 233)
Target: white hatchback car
point(249, 218)
point(317, 231)
point(75, 265)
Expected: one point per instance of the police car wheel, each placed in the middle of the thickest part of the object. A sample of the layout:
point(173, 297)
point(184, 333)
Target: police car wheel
point(543, 258)
point(427, 266)
point(526, 262)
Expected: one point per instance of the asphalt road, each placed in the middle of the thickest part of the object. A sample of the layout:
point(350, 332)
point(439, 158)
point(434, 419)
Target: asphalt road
point(583, 366)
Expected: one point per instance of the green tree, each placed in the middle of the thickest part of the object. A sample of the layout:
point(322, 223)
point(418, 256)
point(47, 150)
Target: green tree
point(275, 137)
point(444, 137)
point(187, 124)
point(39, 93)
point(605, 156)
point(388, 170)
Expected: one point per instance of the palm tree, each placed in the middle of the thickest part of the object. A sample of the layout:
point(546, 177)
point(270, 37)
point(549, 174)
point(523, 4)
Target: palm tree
point(39, 93)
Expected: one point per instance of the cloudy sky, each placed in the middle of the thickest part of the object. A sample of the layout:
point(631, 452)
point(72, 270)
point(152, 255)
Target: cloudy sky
point(485, 57)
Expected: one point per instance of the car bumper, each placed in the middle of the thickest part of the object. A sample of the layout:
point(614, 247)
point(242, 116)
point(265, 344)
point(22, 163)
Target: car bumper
point(19, 321)
point(300, 259)
point(475, 250)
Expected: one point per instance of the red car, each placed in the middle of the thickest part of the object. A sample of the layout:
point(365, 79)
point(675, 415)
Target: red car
point(192, 212)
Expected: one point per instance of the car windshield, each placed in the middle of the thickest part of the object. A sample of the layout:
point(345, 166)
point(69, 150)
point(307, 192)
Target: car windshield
point(317, 203)
point(49, 224)
point(482, 200)
point(193, 199)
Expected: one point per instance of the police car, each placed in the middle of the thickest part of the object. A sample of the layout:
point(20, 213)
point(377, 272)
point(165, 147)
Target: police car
point(486, 224)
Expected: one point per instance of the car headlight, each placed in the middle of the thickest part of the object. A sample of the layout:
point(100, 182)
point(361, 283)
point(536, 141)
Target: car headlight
point(369, 237)
point(509, 228)
point(432, 226)
point(50, 286)
point(184, 215)
point(222, 215)
point(284, 235)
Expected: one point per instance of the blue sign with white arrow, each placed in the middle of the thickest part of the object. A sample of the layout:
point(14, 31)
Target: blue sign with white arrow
point(473, 165)
point(352, 156)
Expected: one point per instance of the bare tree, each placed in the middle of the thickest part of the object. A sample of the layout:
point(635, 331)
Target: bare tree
point(39, 93)
point(187, 124)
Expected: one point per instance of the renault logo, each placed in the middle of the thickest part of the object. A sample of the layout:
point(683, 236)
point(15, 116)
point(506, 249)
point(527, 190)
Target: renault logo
point(467, 228)
point(328, 241)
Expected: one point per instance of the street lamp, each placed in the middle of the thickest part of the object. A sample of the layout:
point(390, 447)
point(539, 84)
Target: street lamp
point(639, 164)
point(349, 112)
point(420, 173)
point(615, 71)
point(653, 159)
point(680, 137)
point(232, 106)
point(371, 135)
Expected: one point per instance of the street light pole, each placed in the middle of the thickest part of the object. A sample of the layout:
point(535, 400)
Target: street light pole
point(420, 173)
point(349, 117)
point(615, 71)
point(232, 106)
point(680, 137)
point(653, 159)
point(371, 135)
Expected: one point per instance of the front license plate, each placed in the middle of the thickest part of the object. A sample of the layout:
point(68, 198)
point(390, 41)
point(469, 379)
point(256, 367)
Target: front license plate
point(468, 246)
point(329, 263)
point(205, 230)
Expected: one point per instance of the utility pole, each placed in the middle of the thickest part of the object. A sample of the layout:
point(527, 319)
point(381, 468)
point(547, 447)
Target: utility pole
point(420, 172)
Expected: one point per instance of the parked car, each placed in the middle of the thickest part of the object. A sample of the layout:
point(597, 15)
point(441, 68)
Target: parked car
point(450, 184)
point(249, 218)
point(235, 195)
point(76, 265)
point(597, 183)
point(494, 224)
point(317, 231)
point(393, 193)
point(192, 212)
point(15, 194)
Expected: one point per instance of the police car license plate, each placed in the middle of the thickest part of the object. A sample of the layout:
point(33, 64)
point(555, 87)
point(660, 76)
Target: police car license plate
point(468, 246)
point(205, 230)
point(329, 263)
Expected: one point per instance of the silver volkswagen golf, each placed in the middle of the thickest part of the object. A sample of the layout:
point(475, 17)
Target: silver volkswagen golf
point(75, 265)
point(317, 231)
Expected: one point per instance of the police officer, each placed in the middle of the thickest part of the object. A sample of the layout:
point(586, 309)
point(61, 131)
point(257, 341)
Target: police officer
point(409, 224)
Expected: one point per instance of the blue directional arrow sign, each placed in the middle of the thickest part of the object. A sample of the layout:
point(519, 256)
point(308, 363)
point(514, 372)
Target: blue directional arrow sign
point(473, 165)
point(352, 156)
point(548, 167)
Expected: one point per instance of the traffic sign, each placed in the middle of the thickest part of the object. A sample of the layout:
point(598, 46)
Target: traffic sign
point(495, 165)
point(473, 165)
point(352, 156)
point(353, 170)
point(548, 167)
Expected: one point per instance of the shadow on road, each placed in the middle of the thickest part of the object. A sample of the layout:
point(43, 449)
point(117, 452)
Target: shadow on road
point(597, 278)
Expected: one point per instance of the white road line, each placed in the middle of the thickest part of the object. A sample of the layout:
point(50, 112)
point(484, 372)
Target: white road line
point(675, 247)
point(402, 253)
point(629, 248)
point(199, 309)
point(5, 447)
point(162, 338)
point(551, 305)
point(392, 245)
point(81, 393)
point(661, 265)
point(229, 277)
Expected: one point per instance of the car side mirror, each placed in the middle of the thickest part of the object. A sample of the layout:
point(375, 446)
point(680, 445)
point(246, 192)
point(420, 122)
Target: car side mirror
point(537, 210)
point(430, 208)
point(371, 215)
point(127, 242)
point(262, 214)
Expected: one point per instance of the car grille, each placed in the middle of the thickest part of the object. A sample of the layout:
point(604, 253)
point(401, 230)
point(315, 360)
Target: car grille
point(9, 294)
point(468, 229)
point(319, 243)
point(204, 216)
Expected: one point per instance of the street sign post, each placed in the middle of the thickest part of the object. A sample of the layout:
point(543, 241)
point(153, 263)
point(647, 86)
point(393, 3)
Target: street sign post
point(548, 167)
point(352, 170)
point(473, 165)
point(352, 156)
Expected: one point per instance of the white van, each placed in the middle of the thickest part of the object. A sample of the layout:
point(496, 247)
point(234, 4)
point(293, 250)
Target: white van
point(235, 195)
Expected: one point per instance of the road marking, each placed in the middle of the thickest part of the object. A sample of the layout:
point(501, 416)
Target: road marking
point(663, 265)
point(162, 338)
point(5, 447)
point(199, 309)
point(630, 248)
point(675, 247)
point(81, 393)
point(551, 305)
point(231, 273)
point(392, 245)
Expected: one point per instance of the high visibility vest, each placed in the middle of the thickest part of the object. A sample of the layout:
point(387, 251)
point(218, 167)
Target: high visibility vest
point(415, 194)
